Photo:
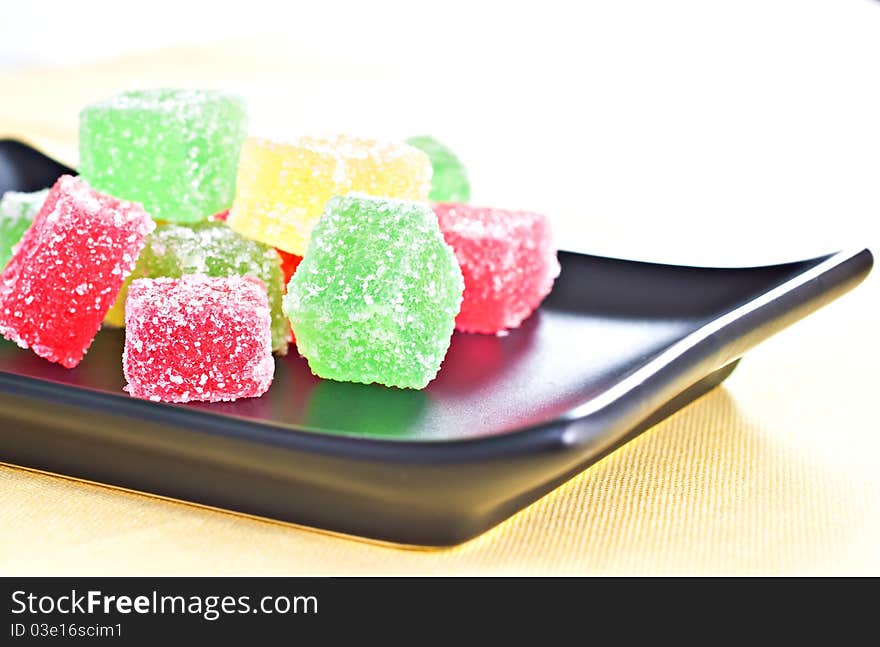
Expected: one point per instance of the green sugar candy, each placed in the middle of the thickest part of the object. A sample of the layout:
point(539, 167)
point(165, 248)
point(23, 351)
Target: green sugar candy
point(174, 151)
point(450, 180)
point(17, 211)
point(376, 294)
point(213, 249)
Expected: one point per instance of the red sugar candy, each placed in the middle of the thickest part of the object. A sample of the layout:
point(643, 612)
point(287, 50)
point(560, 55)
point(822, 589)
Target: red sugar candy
point(508, 261)
point(197, 338)
point(67, 269)
point(289, 263)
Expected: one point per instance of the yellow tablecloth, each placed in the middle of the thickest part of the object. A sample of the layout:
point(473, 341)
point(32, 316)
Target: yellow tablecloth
point(776, 472)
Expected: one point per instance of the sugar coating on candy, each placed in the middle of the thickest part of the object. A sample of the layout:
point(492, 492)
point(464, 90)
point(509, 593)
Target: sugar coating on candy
point(17, 212)
point(213, 249)
point(209, 248)
point(376, 294)
point(174, 151)
point(283, 186)
point(197, 338)
point(68, 268)
point(508, 260)
point(449, 182)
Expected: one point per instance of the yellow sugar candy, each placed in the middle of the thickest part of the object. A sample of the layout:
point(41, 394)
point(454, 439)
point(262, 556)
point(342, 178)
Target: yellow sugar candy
point(115, 316)
point(283, 186)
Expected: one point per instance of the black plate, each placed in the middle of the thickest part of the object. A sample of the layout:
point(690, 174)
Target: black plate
point(616, 347)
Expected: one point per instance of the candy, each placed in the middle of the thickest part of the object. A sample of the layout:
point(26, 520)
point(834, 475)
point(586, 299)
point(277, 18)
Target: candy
point(174, 151)
point(376, 295)
point(213, 249)
point(283, 186)
point(197, 338)
point(449, 182)
point(115, 317)
point(289, 263)
point(508, 261)
point(68, 268)
point(17, 211)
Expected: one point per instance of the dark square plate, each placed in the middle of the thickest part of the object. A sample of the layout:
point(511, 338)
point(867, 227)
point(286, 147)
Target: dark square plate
point(616, 347)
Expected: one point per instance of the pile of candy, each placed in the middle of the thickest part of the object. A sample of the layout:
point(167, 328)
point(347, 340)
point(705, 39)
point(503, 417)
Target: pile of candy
point(215, 250)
